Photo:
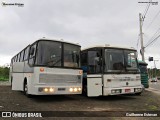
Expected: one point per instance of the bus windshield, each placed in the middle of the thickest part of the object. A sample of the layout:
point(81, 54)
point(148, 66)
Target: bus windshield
point(130, 60)
point(51, 54)
point(71, 55)
point(117, 60)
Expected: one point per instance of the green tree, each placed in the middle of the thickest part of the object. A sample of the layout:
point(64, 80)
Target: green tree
point(4, 73)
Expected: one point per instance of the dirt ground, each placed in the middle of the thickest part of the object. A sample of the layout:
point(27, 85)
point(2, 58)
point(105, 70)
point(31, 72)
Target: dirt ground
point(82, 107)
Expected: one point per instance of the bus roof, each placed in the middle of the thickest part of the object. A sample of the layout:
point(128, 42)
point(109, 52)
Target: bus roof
point(109, 46)
point(142, 62)
point(45, 39)
point(61, 40)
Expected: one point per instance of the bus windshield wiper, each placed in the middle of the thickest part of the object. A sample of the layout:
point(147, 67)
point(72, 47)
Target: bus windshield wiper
point(52, 65)
point(120, 71)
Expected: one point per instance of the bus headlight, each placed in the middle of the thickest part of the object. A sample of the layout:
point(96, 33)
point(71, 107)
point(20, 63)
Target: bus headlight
point(45, 89)
point(79, 89)
point(137, 90)
point(71, 89)
point(51, 89)
point(116, 91)
point(75, 89)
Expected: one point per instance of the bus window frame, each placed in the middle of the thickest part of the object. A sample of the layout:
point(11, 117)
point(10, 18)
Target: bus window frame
point(34, 55)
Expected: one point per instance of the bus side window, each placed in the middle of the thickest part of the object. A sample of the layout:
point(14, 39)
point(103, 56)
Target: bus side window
point(15, 60)
point(26, 53)
point(18, 57)
point(22, 54)
point(32, 54)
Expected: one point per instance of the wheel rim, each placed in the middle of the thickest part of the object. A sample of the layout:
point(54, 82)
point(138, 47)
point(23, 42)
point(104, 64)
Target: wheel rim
point(26, 89)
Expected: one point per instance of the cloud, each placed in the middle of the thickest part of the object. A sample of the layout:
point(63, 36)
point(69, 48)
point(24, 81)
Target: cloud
point(88, 22)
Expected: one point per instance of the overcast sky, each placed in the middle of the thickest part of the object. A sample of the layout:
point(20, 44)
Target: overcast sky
point(87, 22)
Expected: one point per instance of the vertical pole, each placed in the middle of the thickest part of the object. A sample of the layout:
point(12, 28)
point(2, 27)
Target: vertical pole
point(141, 36)
point(152, 72)
point(155, 68)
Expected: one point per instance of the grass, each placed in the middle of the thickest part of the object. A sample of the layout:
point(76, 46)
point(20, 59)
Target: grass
point(4, 78)
point(152, 107)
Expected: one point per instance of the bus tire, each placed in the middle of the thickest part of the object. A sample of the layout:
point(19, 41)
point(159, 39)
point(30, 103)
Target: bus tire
point(11, 82)
point(84, 91)
point(138, 93)
point(25, 90)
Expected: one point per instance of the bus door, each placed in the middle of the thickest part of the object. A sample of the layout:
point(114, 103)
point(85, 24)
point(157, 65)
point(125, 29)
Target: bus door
point(94, 73)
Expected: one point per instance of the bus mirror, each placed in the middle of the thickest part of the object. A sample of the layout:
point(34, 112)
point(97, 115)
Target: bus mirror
point(77, 58)
point(100, 61)
point(32, 51)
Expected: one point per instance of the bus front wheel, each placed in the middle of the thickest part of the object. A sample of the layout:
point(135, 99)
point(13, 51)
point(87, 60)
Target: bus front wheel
point(138, 93)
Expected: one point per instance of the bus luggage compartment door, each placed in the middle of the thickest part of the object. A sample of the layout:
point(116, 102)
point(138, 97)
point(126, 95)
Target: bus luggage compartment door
point(94, 86)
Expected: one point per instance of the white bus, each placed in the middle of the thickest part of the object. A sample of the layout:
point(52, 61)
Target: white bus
point(47, 67)
point(110, 70)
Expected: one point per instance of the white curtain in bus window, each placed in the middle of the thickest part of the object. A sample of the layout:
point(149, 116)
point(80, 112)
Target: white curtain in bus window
point(93, 62)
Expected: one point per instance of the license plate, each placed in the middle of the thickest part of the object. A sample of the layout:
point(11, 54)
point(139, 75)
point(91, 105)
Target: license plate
point(61, 89)
point(127, 90)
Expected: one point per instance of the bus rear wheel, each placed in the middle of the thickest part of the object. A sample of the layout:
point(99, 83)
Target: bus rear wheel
point(84, 91)
point(26, 90)
point(11, 82)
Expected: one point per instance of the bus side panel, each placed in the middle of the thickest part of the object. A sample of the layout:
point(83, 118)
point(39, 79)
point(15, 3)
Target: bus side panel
point(17, 76)
point(27, 68)
point(10, 75)
point(17, 81)
point(18, 67)
point(94, 86)
point(31, 85)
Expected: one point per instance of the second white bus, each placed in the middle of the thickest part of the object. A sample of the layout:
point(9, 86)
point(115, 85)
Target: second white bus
point(110, 70)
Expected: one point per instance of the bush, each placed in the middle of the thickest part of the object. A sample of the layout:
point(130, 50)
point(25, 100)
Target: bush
point(4, 73)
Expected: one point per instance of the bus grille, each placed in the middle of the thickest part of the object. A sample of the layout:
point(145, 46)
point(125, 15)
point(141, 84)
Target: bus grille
point(54, 78)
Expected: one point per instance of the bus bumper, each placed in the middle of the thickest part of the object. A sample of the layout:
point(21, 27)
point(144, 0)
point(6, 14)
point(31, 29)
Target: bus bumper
point(124, 90)
point(57, 90)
